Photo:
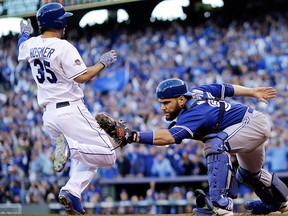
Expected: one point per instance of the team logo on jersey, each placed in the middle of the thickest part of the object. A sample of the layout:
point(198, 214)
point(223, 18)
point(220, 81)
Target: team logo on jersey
point(78, 62)
point(216, 103)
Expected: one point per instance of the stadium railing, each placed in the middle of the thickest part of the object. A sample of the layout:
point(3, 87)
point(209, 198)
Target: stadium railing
point(14, 208)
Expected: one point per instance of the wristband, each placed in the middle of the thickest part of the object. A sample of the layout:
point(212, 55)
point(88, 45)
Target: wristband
point(146, 137)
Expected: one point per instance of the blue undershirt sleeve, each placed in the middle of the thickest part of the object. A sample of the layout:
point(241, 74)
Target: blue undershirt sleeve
point(25, 36)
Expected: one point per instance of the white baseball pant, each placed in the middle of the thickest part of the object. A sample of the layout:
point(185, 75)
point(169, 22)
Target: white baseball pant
point(88, 144)
point(247, 140)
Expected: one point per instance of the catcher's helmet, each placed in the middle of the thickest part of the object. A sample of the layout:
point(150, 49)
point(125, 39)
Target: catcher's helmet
point(52, 15)
point(172, 88)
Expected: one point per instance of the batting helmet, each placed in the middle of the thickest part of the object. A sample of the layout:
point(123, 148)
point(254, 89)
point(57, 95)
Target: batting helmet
point(52, 15)
point(172, 88)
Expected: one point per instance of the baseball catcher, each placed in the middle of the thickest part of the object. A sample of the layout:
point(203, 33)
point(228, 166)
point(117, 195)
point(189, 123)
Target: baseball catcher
point(202, 113)
point(116, 130)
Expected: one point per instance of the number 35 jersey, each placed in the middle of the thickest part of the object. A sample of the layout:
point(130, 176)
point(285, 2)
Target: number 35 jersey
point(54, 63)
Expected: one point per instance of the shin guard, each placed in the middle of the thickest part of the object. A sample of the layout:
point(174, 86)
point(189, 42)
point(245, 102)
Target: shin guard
point(275, 193)
point(219, 170)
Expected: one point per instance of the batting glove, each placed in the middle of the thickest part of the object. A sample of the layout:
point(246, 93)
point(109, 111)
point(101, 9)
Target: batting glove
point(26, 28)
point(108, 58)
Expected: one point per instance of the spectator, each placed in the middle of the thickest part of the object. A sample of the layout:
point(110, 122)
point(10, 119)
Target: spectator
point(152, 152)
point(190, 197)
point(109, 172)
point(175, 197)
point(186, 165)
point(138, 161)
point(36, 194)
point(16, 192)
point(277, 157)
point(123, 164)
point(124, 202)
point(151, 197)
point(210, 52)
point(162, 167)
point(107, 206)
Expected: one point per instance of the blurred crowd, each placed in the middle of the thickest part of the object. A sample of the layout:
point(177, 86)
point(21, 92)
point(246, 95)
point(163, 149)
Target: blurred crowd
point(252, 53)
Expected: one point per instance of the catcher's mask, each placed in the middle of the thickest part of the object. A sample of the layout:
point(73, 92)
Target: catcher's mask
point(172, 88)
point(52, 16)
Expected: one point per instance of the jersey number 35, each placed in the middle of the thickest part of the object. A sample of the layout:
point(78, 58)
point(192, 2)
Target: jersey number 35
point(44, 72)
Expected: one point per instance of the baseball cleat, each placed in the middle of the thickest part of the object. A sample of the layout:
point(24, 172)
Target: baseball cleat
point(62, 153)
point(203, 211)
point(71, 203)
point(207, 208)
point(212, 212)
point(284, 208)
point(258, 207)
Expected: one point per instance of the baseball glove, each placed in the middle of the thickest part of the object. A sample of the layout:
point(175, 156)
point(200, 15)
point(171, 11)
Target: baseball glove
point(116, 130)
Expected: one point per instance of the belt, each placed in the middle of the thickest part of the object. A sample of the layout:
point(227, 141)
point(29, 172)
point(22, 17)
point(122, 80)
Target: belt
point(62, 104)
point(52, 106)
point(250, 110)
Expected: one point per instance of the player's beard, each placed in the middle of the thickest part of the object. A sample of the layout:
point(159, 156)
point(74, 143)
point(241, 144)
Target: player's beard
point(173, 114)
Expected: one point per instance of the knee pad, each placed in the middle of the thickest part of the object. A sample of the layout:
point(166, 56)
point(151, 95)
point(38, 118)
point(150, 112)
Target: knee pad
point(221, 183)
point(215, 143)
point(269, 195)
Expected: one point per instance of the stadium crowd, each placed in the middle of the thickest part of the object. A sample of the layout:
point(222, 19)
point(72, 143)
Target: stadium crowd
point(252, 53)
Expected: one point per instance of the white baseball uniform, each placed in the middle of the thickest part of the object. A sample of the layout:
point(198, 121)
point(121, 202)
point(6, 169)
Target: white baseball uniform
point(55, 63)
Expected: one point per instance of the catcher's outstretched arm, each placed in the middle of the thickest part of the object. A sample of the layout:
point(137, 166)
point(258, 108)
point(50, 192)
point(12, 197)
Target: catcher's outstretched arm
point(165, 136)
point(122, 135)
point(158, 137)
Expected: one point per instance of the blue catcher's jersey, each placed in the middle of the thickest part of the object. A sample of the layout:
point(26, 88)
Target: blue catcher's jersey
point(199, 116)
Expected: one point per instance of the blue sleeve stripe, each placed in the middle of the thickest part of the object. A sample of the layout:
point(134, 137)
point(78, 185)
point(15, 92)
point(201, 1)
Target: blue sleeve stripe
point(222, 92)
point(24, 37)
point(180, 132)
point(185, 128)
point(229, 90)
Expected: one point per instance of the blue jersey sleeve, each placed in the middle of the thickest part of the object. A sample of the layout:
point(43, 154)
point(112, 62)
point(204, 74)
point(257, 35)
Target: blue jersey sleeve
point(180, 132)
point(217, 90)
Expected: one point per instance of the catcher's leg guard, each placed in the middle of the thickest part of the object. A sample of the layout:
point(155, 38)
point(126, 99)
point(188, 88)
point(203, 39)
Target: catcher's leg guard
point(272, 195)
point(221, 183)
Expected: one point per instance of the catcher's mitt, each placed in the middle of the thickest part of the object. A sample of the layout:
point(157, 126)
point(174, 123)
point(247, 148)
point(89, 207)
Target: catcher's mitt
point(116, 130)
